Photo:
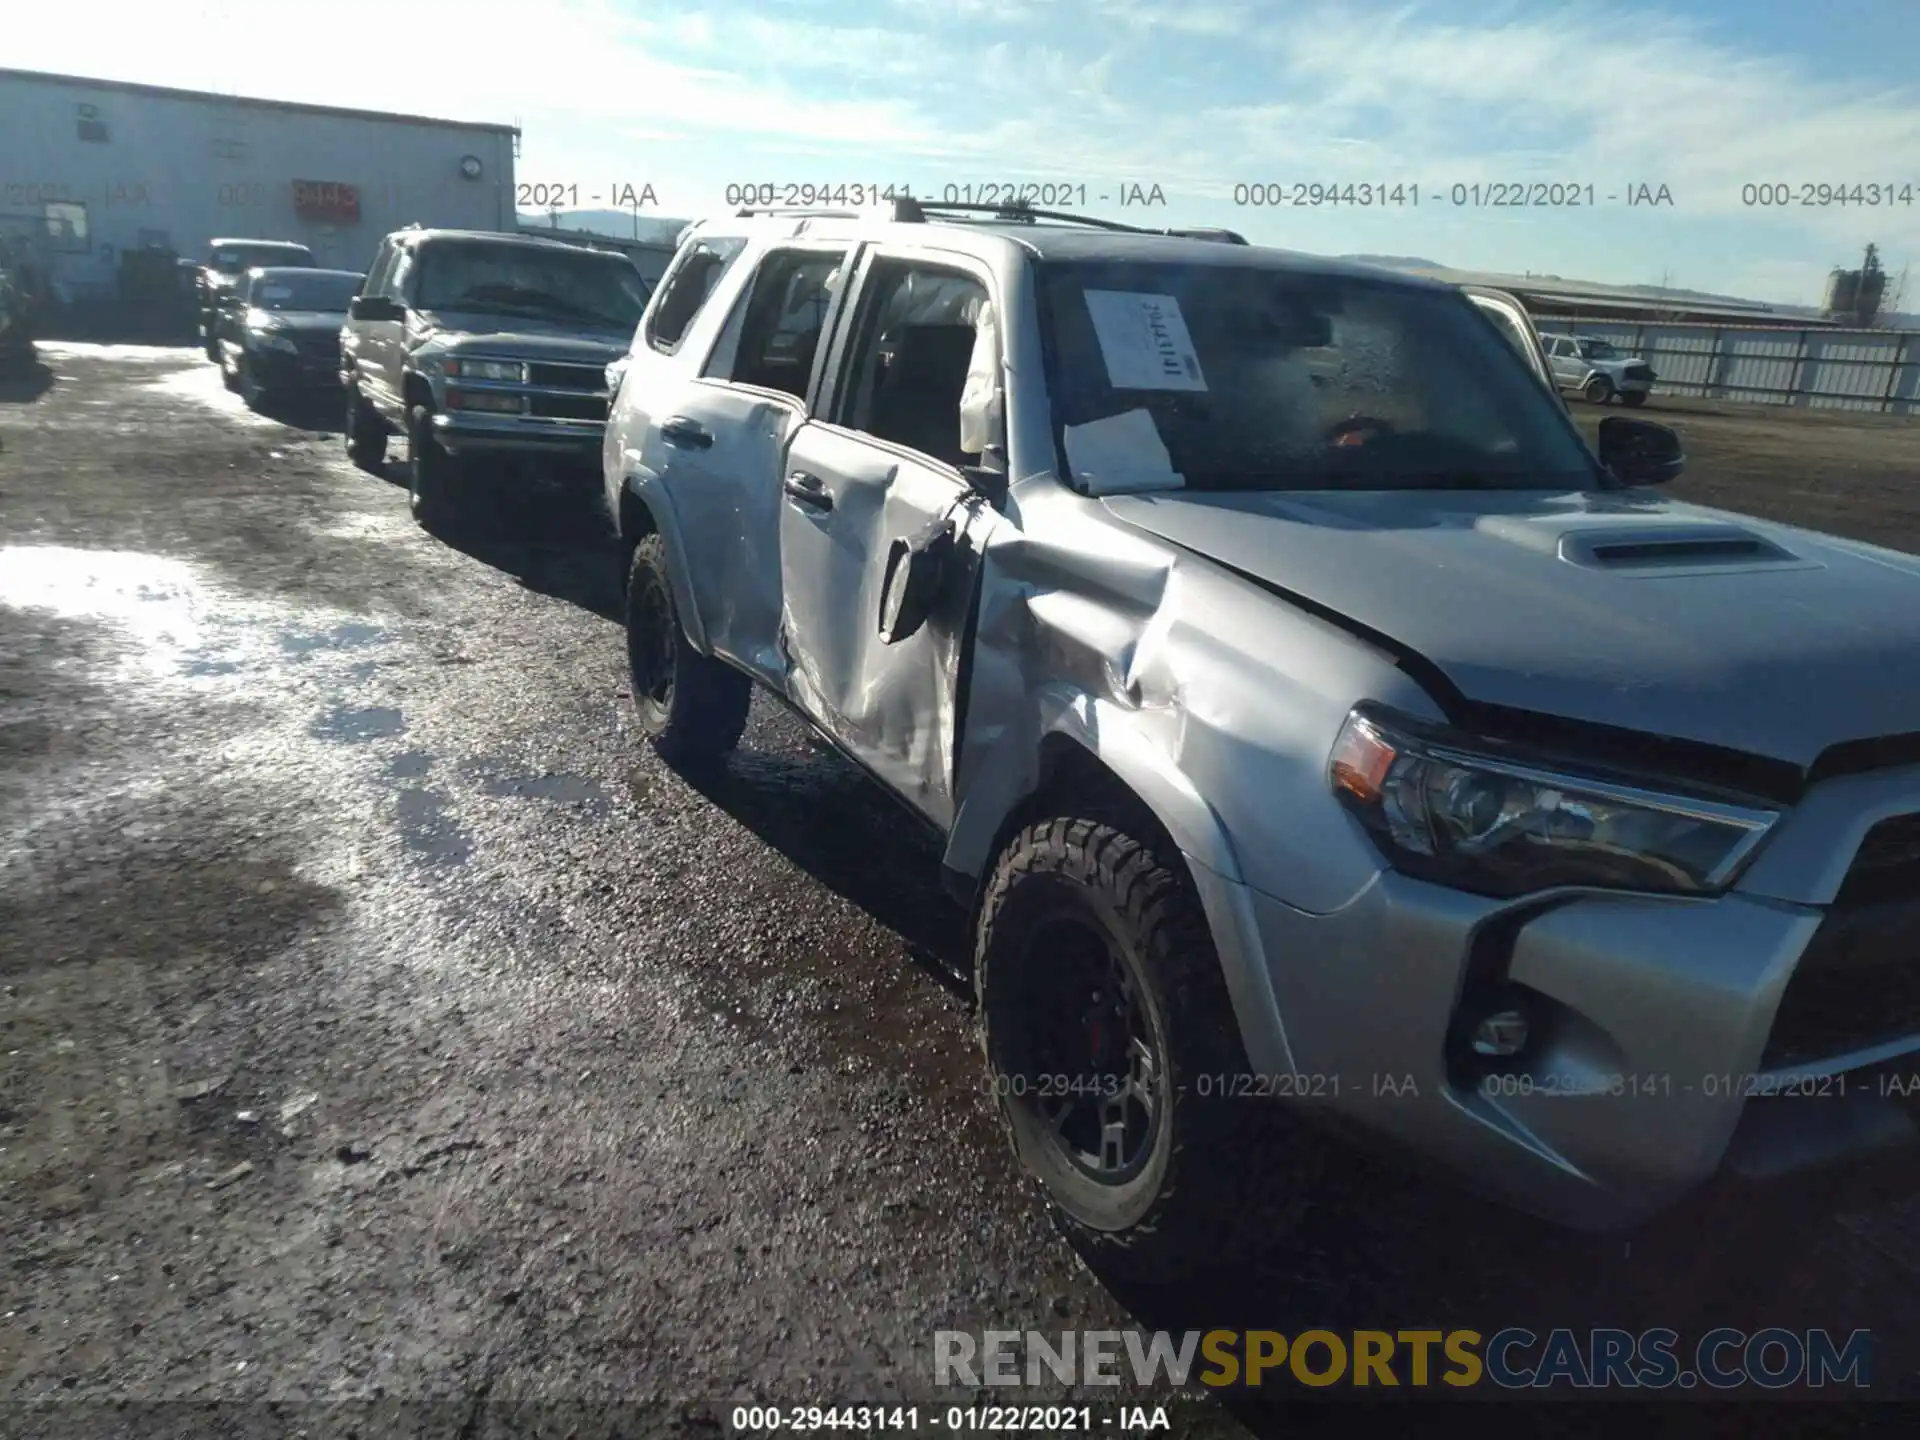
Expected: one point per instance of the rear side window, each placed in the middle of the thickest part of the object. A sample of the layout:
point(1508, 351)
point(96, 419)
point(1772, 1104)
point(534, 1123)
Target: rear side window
point(786, 312)
point(685, 289)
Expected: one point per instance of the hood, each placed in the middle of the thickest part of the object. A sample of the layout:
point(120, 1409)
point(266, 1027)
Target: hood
point(1618, 609)
point(308, 319)
point(524, 336)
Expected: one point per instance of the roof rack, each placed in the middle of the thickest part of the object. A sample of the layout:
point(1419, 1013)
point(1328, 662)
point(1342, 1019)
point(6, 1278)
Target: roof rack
point(907, 210)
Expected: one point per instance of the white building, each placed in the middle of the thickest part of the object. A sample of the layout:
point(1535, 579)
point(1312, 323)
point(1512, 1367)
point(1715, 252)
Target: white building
point(103, 166)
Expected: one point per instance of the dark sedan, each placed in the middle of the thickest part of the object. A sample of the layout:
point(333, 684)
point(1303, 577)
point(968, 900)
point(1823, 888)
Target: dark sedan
point(281, 330)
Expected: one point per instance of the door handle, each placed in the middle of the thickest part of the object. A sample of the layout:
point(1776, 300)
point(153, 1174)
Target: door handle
point(687, 433)
point(808, 490)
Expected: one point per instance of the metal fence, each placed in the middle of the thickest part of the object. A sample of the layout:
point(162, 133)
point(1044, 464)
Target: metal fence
point(1875, 370)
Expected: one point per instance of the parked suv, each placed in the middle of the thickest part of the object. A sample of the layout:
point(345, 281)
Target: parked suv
point(228, 261)
point(1596, 371)
point(1315, 729)
point(479, 345)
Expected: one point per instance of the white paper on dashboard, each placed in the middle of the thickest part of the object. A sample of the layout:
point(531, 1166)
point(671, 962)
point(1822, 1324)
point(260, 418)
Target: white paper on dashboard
point(1144, 340)
point(1121, 454)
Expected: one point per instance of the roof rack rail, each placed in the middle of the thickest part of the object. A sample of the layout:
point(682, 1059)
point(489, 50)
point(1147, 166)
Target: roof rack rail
point(898, 207)
point(1015, 210)
point(906, 209)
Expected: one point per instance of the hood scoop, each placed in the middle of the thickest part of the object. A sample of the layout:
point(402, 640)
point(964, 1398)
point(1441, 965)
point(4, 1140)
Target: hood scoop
point(1690, 548)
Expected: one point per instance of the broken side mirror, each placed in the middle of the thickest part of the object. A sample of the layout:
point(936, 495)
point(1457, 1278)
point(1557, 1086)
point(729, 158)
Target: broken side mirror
point(916, 574)
point(1640, 452)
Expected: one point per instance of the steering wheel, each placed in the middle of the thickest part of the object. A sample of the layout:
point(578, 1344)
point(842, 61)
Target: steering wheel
point(1357, 430)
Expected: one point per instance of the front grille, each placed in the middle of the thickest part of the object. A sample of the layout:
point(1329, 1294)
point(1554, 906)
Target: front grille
point(555, 376)
point(319, 347)
point(1886, 866)
point(1859, 982)
point(568, 407)
point(1639, 372)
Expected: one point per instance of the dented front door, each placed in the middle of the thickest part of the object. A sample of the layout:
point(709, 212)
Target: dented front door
point(845, 500)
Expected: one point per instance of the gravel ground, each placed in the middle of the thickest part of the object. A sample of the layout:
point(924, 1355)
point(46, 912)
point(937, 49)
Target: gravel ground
point(383, 1022)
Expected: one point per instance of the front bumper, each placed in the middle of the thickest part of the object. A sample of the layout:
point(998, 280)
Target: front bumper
point(476, 433)
point(278, 370)
point(1651, 1075)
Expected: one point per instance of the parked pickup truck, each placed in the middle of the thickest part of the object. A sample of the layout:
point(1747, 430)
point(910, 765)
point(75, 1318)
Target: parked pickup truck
point(477, 346)
point(1313, 727)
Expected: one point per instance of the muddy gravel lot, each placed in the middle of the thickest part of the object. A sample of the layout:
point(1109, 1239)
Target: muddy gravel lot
point(382, 1023)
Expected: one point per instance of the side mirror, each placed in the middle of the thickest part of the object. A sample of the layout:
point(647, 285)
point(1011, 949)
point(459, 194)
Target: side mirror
point(373, 307)
point(916, 574)
point(1640, 452)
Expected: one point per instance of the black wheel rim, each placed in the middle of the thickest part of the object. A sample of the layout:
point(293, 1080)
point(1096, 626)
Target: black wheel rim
point(1088, 1066)
point(651, 643)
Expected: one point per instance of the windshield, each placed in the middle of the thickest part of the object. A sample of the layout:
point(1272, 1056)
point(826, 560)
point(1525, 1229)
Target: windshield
point(232, 259)
point(580, 286)
point(1262, 379)
point(1598, 350)
point(304, 292)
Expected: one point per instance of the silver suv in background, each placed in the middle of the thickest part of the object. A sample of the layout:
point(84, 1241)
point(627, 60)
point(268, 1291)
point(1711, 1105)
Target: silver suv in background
point(1595, 369)
point(1314, 728)
point(479, 347)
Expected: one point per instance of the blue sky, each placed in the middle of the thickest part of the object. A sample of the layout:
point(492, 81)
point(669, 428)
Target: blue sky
point(1194, 97)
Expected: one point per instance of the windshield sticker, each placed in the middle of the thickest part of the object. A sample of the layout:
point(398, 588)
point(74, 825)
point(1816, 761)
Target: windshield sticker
point(1119, 455)
point(276, 292)
point(1145, 341)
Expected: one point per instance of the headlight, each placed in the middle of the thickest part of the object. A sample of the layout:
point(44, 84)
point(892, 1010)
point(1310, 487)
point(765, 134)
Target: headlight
point(512, 371)
point(1496, 827)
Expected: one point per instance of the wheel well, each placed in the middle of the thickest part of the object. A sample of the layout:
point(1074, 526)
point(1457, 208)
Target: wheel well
point(1073, 780)
point(635, 519)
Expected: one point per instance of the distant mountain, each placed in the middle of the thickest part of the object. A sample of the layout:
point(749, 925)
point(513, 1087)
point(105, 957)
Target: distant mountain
point(616, 224)
point(1395, 262)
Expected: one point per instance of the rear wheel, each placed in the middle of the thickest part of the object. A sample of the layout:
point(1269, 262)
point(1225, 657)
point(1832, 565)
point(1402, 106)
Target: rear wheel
point(431, 471)
point(1112, 1048)
point(366, 433)
point(691, 706)
point(1598, 390)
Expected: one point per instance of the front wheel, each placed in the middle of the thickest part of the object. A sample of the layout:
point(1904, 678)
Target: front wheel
point(431, 471)
point(691, 706)
point(366, 433)
point(1113, 1051)
point(251, 390)
point(1598, 390)
point(1633, 397)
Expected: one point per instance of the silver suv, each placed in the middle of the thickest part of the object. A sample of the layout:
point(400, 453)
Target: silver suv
point(1596, 371)
point(1316, 729)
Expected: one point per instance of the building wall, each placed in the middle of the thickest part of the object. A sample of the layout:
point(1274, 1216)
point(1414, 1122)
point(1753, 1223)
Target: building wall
point(177, 171)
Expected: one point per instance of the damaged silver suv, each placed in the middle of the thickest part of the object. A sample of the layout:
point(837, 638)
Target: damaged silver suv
point(1317, 728)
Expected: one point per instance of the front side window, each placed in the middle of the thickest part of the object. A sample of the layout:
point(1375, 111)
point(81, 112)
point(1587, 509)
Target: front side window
point(911, 358)
point(1598, 350)
point(564, 286)
point(1259, 379)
